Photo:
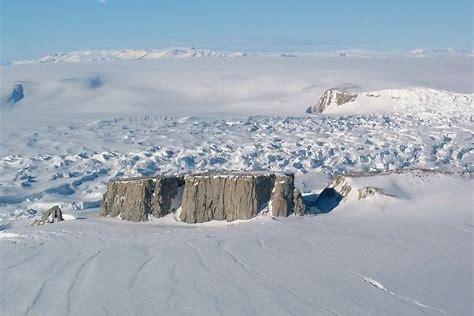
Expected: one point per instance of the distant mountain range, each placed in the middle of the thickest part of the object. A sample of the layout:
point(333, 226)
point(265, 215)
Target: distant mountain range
point(130, 54)
point(140, 54)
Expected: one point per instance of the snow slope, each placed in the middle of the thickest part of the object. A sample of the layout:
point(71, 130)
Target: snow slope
point(417, 101)
point(405, 255)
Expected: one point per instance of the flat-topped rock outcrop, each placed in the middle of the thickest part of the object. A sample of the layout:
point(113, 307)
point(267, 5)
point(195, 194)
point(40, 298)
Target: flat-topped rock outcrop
point(203, 197)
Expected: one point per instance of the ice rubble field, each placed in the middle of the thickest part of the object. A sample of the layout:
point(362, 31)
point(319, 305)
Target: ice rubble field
point(70, 165)
point(405, 253)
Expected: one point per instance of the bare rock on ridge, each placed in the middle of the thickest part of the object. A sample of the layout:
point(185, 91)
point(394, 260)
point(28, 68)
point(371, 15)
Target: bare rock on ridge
point(334, 96)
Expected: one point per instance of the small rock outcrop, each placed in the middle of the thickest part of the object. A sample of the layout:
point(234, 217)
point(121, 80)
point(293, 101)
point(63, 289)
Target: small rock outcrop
point(299, 206)
point(341, 185)
point(332, 195)
point(332, 97)
point(53, 215)
point(17, 93)
point(367, 192)
point(203, 197)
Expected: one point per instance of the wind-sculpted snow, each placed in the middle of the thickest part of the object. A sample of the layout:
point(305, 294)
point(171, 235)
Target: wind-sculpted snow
point(69, 165)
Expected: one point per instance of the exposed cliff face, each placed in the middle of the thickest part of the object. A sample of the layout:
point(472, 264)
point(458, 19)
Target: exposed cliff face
point(136, 199)
point(282, 203)
point(225, 197)
point(128, 199)
point(203, 197)
point(167, 195)
point(332, 97)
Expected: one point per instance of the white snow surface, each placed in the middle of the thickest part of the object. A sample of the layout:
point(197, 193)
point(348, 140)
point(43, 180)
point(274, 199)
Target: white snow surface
point(404, 255)
point(407, 250)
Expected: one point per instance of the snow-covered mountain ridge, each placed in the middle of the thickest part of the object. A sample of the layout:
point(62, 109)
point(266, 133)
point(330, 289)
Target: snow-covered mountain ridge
point(130, 54)
point(193, 52)
point(419, 101)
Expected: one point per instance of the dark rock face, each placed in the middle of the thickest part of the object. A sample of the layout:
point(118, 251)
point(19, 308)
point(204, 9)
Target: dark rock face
point(95, 82)
point(299, 206)
point(53, 215)
point(136, 199)
point(225, 197)
point(333, 96)
point(167, 195)
point(202, 197)
point(17, 94)
point(331, 196)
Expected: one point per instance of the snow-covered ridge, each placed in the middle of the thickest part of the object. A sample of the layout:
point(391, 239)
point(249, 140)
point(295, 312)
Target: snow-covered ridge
point(420, 101)
point(193, 52)
point(426, 52)
point(130, 54)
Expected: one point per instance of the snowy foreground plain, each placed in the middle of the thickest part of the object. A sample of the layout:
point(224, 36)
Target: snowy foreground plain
point(404, 255)
point(407, 250)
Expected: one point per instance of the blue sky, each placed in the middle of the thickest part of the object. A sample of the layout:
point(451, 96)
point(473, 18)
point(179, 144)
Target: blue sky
point(31, 28)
